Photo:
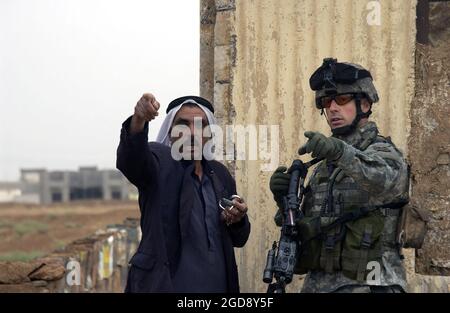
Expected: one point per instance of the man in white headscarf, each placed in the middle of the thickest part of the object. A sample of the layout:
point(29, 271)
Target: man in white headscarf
point(187, 239)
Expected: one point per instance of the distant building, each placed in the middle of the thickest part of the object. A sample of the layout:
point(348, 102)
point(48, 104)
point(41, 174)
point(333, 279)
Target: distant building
point(9, 191)
point(88, 183)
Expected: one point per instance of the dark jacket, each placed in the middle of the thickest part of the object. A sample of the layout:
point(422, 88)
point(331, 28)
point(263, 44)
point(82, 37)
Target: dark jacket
point(165, 204)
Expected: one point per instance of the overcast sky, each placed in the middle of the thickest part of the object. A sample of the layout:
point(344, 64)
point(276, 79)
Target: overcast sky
point(72, 70)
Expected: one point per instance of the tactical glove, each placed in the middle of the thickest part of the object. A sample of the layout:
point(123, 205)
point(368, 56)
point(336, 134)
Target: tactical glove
point(322, 147)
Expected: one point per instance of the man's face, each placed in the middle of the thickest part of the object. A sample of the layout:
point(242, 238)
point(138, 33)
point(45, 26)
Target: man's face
point(340, 115)
point(192, 117)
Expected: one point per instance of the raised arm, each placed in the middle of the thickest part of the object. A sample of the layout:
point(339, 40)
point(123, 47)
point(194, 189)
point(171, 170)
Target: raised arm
point(134, 158)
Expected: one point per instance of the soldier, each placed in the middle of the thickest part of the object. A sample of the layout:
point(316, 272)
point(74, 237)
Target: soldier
point(353, 198)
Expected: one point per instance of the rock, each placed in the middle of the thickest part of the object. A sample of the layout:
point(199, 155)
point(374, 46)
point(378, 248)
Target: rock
point(22, 288)
point(39, 283)
point(50, 269)
point(47, 269)
point(440, 263)
point(16, 272)
point(443, 159)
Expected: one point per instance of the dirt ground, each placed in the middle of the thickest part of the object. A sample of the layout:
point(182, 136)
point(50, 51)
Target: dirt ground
point(29, 231)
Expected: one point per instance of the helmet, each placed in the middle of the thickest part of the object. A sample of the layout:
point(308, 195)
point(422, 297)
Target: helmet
point(337, 78)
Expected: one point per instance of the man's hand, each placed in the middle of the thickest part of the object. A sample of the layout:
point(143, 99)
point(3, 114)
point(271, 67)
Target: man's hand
point(236, 213)
point(145, 110)
point(322, 147)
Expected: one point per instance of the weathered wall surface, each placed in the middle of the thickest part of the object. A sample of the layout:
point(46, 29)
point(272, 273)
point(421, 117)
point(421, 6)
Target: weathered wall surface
point(207, 23)
point(102, 258)
point(279, 45)
point(429, 143)
point(264, 53)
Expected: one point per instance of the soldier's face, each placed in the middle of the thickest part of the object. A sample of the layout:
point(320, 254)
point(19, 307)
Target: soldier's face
point(340, 115)
point(343, 115)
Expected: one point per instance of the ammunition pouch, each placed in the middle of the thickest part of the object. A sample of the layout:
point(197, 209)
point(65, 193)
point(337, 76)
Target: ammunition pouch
point(344, 244)
point(311, 245)
point(412, 226)
point(362, 245)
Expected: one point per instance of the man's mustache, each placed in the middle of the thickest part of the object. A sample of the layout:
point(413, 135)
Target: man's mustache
point(192, 141)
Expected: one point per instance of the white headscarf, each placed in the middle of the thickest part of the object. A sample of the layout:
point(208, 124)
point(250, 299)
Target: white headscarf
point(164, 136)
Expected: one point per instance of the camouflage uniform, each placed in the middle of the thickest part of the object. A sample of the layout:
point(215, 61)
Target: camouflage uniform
point(371, 169)
point(352, 202)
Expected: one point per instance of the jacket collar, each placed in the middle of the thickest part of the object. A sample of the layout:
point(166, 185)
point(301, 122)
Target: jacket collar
point(366, 132)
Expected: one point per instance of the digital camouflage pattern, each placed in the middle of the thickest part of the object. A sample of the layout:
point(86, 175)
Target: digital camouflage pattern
point(370, 172)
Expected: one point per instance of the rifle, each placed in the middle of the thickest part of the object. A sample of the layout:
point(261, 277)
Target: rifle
point(281, 259)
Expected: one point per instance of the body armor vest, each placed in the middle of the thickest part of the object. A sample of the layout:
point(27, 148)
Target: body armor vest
point(330, 244)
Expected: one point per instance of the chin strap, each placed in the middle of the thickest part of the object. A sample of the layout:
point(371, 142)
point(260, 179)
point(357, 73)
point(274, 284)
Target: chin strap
point(344, 130)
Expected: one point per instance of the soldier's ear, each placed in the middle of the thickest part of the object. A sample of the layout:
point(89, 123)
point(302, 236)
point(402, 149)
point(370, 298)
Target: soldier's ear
point(365, 105)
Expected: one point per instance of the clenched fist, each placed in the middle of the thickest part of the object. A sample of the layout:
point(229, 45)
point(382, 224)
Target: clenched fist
point(145, 110)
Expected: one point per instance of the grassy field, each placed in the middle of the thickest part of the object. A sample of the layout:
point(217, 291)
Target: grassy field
point(31, 231)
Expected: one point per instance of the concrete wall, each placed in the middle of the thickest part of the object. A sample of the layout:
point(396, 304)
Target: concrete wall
point(263, 53)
